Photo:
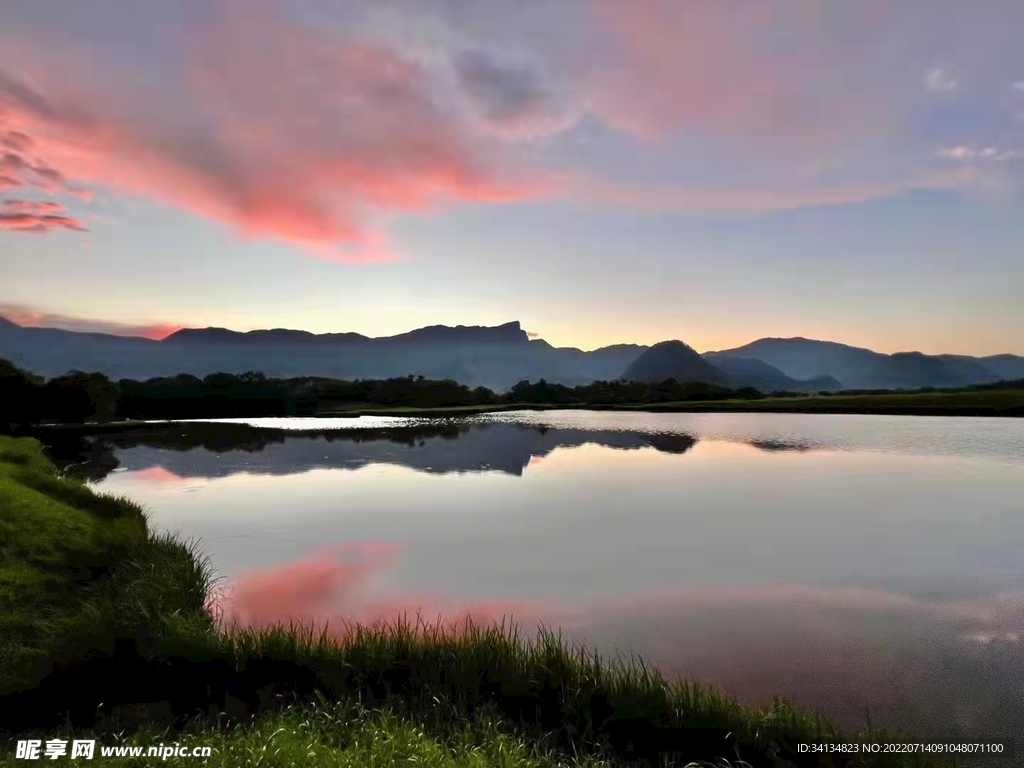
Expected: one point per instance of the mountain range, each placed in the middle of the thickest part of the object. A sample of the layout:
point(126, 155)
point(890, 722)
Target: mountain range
point(858, 368)
point(496, 357)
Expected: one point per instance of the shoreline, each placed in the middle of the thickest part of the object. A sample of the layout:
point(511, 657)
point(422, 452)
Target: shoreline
point(984, 404)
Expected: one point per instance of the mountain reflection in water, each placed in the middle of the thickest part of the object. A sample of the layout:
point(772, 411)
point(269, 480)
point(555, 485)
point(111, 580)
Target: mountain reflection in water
point(185, 450)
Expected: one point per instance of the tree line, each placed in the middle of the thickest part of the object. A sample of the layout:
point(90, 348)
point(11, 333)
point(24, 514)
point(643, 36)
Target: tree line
point(78, 397)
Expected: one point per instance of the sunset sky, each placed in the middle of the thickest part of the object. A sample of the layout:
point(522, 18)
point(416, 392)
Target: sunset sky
point(604, 171)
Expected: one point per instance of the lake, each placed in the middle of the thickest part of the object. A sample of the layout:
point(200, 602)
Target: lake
point(858, 564)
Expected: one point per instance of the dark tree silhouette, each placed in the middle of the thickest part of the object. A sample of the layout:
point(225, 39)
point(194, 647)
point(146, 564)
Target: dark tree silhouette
point(77, 397)
point(20, 396)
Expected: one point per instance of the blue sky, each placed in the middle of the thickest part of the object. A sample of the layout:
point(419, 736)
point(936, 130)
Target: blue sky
point(603, 171)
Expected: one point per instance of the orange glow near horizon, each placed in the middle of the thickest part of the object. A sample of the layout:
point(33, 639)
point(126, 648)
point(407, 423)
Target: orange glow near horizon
point(702, 339)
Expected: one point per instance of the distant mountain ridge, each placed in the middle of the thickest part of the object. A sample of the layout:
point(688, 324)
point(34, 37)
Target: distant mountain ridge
point(466, 334)
point(807, 358)
point(758, 374)
point(859, 368)
point(905, 370)
point(496, 357)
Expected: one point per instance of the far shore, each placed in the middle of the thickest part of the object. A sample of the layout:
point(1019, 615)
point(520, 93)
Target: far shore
point(1007, 403)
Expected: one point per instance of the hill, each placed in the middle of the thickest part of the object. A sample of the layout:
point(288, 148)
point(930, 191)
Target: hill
point(751, 372)
point(1006, 367)
point(858, 368)
point(913, 370)
point(674, 360)
point(808, 358)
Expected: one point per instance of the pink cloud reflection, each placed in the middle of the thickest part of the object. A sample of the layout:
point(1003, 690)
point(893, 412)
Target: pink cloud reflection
point(350, 581)
point(156, 476)
point(344, 585)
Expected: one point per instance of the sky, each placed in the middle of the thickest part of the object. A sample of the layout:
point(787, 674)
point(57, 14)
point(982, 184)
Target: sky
point(603, 171)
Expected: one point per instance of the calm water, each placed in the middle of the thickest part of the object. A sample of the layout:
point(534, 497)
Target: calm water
point(852, 562)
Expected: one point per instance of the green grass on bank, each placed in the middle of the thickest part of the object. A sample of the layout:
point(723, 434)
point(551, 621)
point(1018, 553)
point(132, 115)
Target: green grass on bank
point(77, 568)
point(341, 736)
point(992, 402)
point(976, 402)
point(557, 696)
point(448, 411)
point(1009, 402)
point(80, 571)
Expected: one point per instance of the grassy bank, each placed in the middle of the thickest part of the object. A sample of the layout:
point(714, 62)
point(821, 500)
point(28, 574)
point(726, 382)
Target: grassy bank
point(974, 402)
point(994, 402)
point(78, 570)
point(982, 402)
point(1003, 402)
point(105, 633)
point(450, 411)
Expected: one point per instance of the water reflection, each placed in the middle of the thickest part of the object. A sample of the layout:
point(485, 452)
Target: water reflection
point(852, 564)
point(783, 445)
point(192, 450)
point(946, 667)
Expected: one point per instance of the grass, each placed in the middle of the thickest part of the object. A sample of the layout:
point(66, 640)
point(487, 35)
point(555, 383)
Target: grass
point(974, 402)
point(994, 402)
point(559, 696)
point(356, 410)
point(341, 735)
point(426, 685)
point(1007, 402)
point(977, 401)
point(78, 569)
point(106, 630)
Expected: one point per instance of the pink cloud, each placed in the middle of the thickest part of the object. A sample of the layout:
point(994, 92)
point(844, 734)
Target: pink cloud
point(316, 135)
point(284, 135)
point(28, 317)
point(762, 69)
point(36, 216)
point(758, 106)
point(31, 206)
point(37, 223)
point(23, 171)
point(16, 141)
